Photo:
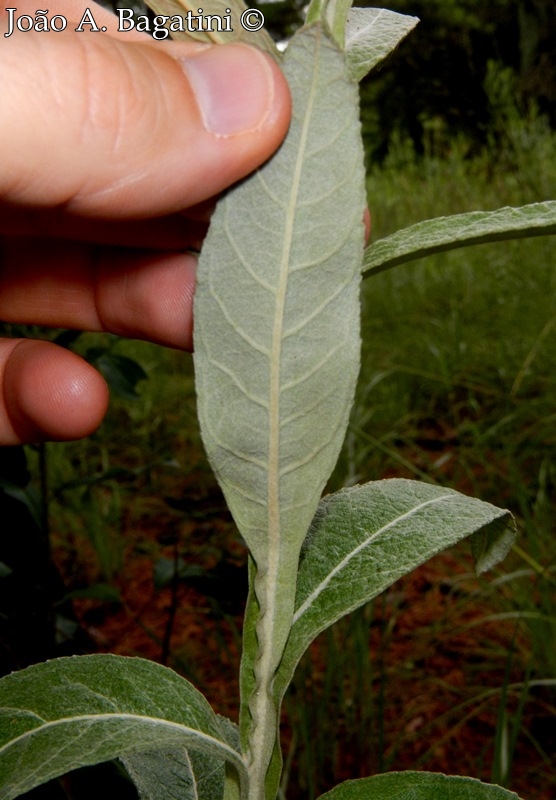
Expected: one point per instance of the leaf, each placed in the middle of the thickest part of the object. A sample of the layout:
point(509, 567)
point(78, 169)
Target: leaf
point(491, 544)
point(71, 712)
point(417, 786)
point(277, 334)
point(459, 230)
point(277, 311)
point(364, 538)
point(96, 591)
point(179, 774)
point(371, 35)
point(5, 570)
point(333, 14)
point(229, 11)
point(175, 774)
point(168, 569)
point(122, 374)
point(27, 496)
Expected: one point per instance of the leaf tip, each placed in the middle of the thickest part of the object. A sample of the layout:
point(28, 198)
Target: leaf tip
point(491, 544)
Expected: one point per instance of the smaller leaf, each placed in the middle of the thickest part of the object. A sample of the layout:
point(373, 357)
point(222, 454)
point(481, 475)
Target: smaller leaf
point(121, 373)
point(371, 35)
point(459, 230)
point(417, 786)
point(364, 538)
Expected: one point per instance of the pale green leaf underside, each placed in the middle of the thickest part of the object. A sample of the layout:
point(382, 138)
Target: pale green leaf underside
point(417, 786)
point(277, 339)
point(460, 230)
point(71, 712)
point(364, 538)
point(277, 309)
point(175, 774)
point(371, 34)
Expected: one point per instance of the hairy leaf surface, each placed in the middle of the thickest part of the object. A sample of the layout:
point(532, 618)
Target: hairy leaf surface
point(277, 313)
point(371, 35)
point(277, 309)
point(459, 230)
point(175, 774)
point(417, 786)
point(67, 713)
point(180, 774)
point(364, 538)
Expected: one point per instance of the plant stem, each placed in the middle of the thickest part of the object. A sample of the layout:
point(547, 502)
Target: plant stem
point(262, 705)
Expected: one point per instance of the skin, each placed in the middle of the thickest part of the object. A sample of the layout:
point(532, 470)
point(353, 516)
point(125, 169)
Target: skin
point(118, 146)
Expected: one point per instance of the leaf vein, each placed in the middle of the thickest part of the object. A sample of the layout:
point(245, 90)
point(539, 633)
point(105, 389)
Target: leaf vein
point(315, 368)
point(259, 401)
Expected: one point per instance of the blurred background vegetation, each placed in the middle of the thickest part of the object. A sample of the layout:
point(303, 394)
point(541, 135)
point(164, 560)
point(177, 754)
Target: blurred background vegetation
point(122, 542)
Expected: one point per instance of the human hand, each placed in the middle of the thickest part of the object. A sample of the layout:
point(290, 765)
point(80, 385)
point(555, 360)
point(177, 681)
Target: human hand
point(114, 148)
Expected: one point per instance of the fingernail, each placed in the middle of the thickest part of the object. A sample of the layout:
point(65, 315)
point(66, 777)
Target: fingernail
point(234, 87)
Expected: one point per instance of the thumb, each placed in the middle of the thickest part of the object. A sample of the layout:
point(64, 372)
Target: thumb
point(112, 128)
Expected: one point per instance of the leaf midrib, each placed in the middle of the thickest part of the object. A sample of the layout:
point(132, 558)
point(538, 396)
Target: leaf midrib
point(274, 455)
point(157, 721)
point(266, 585)
point(362, 34)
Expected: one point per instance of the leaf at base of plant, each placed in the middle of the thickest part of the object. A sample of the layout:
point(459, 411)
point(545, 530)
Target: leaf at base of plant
point(74, 712)
point(417, 786)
